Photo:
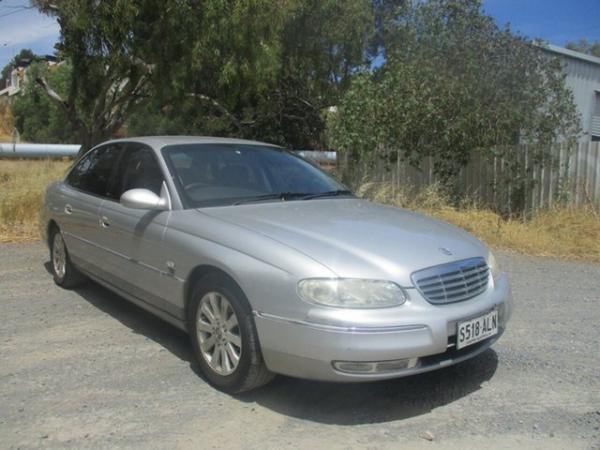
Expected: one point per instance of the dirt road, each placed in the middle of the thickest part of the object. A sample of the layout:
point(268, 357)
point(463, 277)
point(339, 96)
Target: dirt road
point(86, 369)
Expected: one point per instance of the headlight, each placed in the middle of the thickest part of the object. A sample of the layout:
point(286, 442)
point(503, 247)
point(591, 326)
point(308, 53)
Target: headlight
point(493, 264)
point(351, 292)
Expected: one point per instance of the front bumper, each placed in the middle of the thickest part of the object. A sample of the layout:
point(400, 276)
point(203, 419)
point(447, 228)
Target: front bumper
point(423, 333)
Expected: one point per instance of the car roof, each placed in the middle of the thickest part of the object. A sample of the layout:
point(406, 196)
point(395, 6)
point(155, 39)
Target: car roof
point(158, 142)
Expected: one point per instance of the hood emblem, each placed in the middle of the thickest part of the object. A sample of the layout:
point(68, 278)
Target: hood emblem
point(445, 251)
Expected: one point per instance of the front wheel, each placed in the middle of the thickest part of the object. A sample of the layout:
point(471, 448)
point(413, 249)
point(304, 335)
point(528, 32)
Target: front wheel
point(63, 271)
point(224, 336)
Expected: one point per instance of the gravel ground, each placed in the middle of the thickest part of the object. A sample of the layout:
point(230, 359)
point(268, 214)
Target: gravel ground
point(86, 369)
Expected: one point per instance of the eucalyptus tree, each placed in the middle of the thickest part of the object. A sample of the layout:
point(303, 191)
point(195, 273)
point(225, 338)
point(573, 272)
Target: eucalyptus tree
point(453, 83)
point(257, 68)
point(261, 69)
point(35, 115)
point(105, 42)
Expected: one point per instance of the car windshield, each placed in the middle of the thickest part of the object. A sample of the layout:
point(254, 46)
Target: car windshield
point(233, 174)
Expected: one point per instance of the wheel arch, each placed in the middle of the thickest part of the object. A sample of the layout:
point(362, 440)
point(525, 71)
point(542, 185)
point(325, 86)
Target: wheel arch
point(202, 271)
point(50, 226)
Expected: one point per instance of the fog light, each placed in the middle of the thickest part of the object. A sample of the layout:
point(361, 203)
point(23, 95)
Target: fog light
point(357, 367)
point(354, 367)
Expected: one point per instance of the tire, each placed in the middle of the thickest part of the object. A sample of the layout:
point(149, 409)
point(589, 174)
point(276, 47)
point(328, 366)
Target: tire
point(65, 274)
point(221, 329)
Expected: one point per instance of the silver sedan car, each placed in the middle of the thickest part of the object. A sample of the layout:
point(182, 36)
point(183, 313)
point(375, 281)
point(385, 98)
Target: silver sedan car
point(270, 264)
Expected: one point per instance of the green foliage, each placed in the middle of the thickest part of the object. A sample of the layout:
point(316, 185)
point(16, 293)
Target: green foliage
point(257, 69)
point(38, 118)
point(254, 68)
point(449, 82)
point(453, 83)
point(585, 46)
point(215, 62)
point(104, 42)
point(323, 43)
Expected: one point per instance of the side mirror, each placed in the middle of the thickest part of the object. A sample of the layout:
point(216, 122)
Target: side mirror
point(144, 199)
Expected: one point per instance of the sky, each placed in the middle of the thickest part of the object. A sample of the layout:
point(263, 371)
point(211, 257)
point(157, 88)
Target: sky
point(556, 21)
point(24, 28)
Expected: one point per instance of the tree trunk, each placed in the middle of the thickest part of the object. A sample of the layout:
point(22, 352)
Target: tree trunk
point(85, 139)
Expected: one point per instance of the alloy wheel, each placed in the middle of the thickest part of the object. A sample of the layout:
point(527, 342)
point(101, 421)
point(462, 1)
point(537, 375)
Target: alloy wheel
point(218, 333)
point(59, 256)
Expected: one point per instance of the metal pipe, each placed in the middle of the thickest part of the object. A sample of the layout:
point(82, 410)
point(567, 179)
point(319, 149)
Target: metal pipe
point(318, 156)
point(11, 150)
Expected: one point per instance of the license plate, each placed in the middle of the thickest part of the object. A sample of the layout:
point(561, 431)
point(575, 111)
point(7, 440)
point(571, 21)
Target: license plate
point(474, 330)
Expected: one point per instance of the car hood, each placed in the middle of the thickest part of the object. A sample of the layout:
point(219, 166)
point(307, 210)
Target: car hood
point(356, 238)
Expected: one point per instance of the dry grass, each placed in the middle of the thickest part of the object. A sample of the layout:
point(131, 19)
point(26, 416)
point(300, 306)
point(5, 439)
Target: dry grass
point(562, 232)
point(572, 233)
point(6, 123)
point(22, 184)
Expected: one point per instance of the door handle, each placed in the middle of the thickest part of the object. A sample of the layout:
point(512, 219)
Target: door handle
point(104, 223)
point(68, 209)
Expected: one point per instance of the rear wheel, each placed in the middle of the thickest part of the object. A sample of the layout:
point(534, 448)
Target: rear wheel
point(64, 272)
point(224, 336)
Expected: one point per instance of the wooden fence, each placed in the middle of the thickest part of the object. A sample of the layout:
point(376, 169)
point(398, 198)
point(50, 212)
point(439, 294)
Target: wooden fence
point(529, 178)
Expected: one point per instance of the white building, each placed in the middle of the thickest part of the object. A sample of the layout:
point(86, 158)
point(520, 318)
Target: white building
point(13, 84)
point(583, 78)
point(18, 76)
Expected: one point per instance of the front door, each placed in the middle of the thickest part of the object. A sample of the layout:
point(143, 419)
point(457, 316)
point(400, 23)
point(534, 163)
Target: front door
point(134, 237)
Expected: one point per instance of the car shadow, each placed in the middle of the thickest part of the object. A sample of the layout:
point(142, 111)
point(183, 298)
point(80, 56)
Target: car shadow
point(136, 319)
point(376, 402)
point(326, 403)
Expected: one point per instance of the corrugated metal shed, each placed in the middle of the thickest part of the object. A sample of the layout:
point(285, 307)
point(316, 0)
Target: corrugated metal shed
point(583, 77)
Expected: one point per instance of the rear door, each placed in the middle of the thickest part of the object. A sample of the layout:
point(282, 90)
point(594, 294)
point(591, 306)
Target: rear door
point(134, 237)
point(81, 197)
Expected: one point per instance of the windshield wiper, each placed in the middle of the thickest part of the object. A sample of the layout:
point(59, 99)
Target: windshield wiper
point(291, 195)
point(327, 194)
point(278, 196)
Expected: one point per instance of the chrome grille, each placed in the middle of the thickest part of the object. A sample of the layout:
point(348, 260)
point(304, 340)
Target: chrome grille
point(453, 282)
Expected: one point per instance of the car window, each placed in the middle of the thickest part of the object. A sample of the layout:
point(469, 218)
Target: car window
point(219, 174)
point(92, 174)
point(138, 169)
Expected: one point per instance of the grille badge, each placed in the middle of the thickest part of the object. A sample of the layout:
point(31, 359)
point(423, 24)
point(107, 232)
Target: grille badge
point(445, 251)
